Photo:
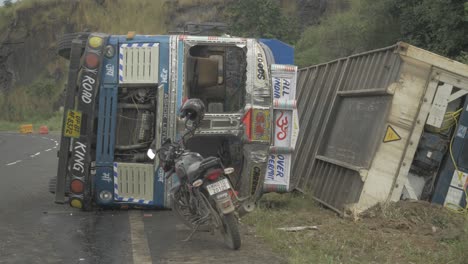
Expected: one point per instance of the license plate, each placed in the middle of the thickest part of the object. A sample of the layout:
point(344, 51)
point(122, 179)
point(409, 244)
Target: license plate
point(73, 124)
point(218, 186)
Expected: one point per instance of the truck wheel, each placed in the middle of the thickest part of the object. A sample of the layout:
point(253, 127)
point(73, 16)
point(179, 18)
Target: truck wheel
point(65, 41)
point(53, 183)
point(231, 231)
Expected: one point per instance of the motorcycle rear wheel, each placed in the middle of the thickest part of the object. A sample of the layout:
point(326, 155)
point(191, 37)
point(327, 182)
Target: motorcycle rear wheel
point(231, 233)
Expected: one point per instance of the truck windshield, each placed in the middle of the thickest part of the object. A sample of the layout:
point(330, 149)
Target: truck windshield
point(216, 75)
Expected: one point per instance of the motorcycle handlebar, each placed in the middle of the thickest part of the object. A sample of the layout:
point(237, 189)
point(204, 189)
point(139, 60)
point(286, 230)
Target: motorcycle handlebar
point(169, 173)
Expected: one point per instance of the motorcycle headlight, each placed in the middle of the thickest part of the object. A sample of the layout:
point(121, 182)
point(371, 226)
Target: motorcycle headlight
point(150, 153)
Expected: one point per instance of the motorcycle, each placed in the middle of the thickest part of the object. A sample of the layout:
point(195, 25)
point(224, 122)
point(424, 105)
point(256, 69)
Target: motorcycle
point(202, 195)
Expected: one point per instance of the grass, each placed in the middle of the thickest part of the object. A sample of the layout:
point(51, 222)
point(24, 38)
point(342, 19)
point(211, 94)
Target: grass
point(54, 123)
point(402, 232)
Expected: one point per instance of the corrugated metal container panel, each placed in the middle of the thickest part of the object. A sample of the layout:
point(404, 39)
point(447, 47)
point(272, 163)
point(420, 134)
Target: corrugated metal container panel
point(327, 96)
point(316, 88)
point(371, 70)
point(334, 185)
point(361, 120)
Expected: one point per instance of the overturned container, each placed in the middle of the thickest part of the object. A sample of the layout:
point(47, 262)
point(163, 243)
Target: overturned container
point(363, 118)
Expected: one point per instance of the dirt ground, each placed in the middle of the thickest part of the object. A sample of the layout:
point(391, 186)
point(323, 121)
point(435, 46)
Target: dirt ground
point(402, 232)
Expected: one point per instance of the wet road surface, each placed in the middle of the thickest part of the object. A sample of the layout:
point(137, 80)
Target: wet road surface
point(33, 229)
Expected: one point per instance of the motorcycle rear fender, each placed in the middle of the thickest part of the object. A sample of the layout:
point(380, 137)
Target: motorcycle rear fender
point(224, 202)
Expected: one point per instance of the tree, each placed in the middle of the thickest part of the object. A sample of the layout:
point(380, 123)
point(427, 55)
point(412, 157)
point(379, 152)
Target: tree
point(7, 3)
point(368, 24)
point(261, 19)
point(440, 26)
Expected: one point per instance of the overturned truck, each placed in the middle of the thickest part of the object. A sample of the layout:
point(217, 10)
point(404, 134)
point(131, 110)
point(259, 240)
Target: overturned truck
point(123, 92)
point(383, 125)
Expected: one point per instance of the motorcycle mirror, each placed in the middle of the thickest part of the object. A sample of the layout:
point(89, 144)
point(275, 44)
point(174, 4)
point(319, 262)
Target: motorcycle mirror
point(193, 110)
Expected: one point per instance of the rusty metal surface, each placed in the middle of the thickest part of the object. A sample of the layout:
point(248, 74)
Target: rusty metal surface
point(323, 90)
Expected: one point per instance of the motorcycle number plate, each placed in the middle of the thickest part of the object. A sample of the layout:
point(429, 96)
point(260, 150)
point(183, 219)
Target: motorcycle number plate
point(218, 186)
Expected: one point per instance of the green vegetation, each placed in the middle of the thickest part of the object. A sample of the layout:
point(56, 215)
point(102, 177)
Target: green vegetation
point(368, 24)
point(31, 102)
point(54, 123)
point(343, 28)
point(403, 232)
point(121, 16)
point(262, 19)
point(440, 26)
point(437, 25)
point(39, 99)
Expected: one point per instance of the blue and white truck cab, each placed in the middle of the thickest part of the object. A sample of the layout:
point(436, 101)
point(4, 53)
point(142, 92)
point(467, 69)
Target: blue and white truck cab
point(125, 91)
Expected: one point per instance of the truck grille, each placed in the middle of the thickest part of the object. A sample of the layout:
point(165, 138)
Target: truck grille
point(138, 63)
point(135, 182)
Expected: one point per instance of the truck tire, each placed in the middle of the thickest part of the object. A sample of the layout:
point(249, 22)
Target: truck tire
point(65, 41)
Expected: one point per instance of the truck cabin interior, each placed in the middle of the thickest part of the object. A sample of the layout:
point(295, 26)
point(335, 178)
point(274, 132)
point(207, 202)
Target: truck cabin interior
point(216, 74)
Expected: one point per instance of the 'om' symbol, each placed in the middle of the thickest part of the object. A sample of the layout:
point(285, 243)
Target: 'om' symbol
point(283, 125)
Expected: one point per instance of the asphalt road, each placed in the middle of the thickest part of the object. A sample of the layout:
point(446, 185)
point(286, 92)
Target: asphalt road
point(33, 229)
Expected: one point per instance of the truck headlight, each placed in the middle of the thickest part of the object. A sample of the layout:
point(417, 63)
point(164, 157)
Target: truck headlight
point(109, 51)
point(105, 196)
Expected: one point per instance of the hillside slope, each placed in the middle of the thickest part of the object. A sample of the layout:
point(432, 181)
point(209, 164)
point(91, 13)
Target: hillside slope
point(29, 31)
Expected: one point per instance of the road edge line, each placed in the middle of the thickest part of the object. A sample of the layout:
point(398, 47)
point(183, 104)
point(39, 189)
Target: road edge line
point(140, 248)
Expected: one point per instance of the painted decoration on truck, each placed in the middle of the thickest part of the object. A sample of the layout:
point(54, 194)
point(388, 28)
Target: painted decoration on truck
point(261, 130)
point(285, 128)
point(278, 168)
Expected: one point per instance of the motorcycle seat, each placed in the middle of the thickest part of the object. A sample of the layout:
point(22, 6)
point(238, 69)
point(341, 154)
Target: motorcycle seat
point(209, 162)
point(199, 167)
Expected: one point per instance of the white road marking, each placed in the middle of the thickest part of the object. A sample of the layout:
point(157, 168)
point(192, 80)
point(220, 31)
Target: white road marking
point(34, 155)
point(13, 163)
point(140, 248)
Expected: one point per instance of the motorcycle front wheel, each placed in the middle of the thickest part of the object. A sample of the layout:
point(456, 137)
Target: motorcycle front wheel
point(180, 205)
point(231, 231)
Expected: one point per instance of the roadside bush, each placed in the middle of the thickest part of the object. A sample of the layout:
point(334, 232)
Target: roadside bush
point(368, 24)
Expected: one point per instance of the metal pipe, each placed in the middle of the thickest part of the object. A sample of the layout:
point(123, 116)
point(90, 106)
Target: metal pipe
point(137, 106)
point(131, 147)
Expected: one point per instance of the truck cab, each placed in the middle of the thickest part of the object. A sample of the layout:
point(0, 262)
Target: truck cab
point(124, 92)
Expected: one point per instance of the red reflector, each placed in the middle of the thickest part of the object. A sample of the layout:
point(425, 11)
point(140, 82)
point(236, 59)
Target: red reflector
point(213, 175)
point(233, 194)
point(92, 60)
point(76, 186)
